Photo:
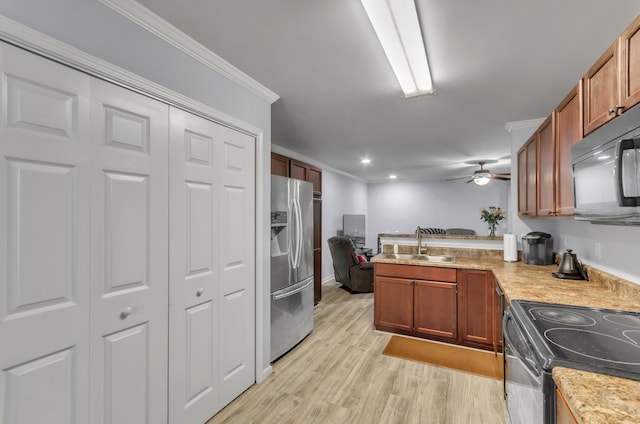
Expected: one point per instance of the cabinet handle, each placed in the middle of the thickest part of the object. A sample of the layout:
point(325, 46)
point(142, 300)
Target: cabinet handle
point(199, 292)
point(615, 110)
point(126, 312)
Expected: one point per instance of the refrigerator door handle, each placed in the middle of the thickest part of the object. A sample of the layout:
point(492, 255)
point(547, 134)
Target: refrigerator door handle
point(295, 239)
point(299, 233)
point(290, 291)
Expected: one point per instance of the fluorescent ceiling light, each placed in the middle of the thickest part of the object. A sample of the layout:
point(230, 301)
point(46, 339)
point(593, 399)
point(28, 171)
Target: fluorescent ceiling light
point(365, 161)
point(396, 24)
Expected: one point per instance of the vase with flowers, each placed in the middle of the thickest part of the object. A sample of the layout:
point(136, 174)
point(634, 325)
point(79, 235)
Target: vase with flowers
point(492, 216)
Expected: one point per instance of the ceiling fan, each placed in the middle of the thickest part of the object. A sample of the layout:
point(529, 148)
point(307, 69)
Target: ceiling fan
point(483, 176)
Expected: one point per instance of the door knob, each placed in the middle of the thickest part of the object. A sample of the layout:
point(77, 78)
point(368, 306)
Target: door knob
point(126, 312)
point(199, 292)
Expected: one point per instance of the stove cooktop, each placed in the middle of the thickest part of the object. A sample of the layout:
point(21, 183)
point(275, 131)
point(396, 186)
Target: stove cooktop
point(592, 339)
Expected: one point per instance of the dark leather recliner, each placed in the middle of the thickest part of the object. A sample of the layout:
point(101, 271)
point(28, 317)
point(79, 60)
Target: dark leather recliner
point(356, 276)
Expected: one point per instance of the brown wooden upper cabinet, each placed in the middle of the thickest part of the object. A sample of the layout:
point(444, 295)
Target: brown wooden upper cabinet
point(545, 174)
point(568, 131)
point(279, 165)
point(527, 180)
point(629, 43)
point(601, 90)
point(612, 85)
point(304, 171)
point(546, 168)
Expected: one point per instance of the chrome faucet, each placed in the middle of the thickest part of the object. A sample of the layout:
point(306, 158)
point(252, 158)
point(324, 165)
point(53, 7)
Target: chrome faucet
point(419, 238)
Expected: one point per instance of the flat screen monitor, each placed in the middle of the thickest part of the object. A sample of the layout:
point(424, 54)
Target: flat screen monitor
point(353, 227)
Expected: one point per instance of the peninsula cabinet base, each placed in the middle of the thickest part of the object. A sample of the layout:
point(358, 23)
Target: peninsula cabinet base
point(449, 305)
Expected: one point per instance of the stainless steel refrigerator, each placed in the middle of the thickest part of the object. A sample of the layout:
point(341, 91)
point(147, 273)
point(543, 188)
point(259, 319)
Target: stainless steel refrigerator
point(291, 263)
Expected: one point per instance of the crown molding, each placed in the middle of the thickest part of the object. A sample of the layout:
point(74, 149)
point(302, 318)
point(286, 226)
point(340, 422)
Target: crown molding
point(162, 29)
point(27, 38)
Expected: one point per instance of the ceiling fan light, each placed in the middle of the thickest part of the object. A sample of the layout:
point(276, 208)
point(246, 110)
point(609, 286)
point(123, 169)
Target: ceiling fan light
point(481, 180)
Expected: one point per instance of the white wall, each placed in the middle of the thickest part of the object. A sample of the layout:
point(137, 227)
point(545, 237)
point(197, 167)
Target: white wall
point(341, 195)
point(101, 32)
point(399, 207)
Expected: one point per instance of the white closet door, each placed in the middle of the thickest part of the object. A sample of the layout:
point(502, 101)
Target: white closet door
point(212, 268)
point(237, 263)
point(129, 316)
point(194, 301)
point(44, 241)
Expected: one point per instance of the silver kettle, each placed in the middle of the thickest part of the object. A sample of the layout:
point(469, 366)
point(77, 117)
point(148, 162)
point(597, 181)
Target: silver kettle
point(570, 267)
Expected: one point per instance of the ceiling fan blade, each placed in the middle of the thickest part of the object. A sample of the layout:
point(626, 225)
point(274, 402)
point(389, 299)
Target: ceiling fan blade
point(502, 174)
point(498, 177)
point(457, 178)
point(469, 180)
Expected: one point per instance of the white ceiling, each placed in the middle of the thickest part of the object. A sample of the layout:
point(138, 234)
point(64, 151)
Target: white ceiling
point(492, 61)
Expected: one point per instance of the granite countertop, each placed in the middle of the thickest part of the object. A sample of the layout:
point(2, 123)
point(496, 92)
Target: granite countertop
point(599, 399)
point(593, 398)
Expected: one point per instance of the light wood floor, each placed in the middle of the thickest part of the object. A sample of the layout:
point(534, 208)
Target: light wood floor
point(339, 375)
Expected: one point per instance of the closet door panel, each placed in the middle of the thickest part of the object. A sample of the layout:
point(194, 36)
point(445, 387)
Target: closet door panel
point(45, 233)
point(237, 263)
point(193, 307)
point(129, 315)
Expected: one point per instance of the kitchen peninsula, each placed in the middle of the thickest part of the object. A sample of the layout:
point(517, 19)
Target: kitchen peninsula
point(518, 280)
point(473, 245)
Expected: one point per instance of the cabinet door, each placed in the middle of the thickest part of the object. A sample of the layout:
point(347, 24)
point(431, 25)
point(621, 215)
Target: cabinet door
point(630, 69)
point(568, 132)
point(393, 303)
point(601, 92)
point(476, 306)
point(546, 168)
point(527, 192)
point(298, 170)
point(532, 182)
point(522, 181)
point(498, 311)
point(279, 165)
point(317, 251)
point(315, 178)
point(436, 309)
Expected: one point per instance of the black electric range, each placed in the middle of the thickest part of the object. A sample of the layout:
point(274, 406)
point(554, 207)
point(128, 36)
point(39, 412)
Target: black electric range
point(606, 341)
point(540, 336)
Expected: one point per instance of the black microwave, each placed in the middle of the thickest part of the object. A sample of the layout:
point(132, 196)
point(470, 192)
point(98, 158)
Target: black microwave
point(606, 172)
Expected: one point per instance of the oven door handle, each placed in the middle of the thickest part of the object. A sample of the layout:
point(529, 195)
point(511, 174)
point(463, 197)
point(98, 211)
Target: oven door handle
point(529, 364)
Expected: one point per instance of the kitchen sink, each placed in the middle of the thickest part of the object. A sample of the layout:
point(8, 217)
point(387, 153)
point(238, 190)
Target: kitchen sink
point(416, 257)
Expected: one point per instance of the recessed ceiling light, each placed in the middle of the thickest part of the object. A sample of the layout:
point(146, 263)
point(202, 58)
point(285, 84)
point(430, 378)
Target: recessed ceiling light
point(392, 177)
point(365, 161)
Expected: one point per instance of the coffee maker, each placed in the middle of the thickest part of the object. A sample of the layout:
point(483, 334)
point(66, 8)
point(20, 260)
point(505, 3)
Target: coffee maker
point(537, 248)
